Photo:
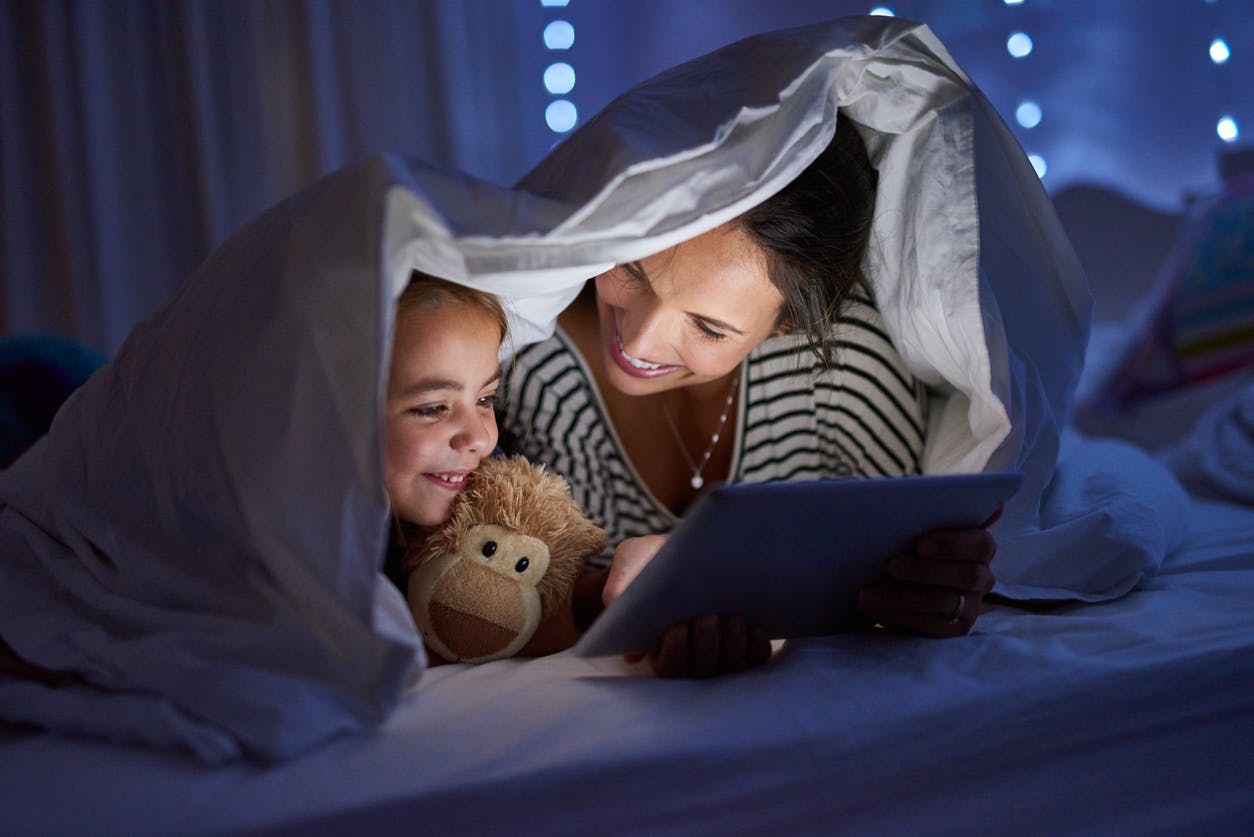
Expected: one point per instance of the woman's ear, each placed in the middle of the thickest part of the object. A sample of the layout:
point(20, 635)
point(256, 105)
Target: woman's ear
point(782, 327)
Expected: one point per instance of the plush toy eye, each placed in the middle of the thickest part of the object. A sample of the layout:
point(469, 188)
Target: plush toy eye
point(522, 565)
point(489, 549)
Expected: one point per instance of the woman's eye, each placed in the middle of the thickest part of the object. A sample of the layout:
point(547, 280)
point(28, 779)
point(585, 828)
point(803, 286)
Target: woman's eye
point(487, 401)
point(634, 277)
point(708, 332)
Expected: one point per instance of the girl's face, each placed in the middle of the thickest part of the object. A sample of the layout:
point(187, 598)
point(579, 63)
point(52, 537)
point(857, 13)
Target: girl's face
point(439, 418)
point(687, 315)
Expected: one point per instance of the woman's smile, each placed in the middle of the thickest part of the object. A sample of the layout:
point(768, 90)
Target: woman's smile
point(635, 366)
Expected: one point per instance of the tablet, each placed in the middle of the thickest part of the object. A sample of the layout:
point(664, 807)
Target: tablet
point(788, 556)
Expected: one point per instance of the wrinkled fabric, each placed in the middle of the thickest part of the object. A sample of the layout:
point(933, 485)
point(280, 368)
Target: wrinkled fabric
point(1216, 459)
point(202, 529)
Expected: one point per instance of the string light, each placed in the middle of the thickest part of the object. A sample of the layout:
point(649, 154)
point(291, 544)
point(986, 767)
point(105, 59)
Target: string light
point(559, 78)
point(1019, 44)
point(1028, 114)
point(560, 115)
point(559, 35)
point(1227, 129)
point(1219, 52)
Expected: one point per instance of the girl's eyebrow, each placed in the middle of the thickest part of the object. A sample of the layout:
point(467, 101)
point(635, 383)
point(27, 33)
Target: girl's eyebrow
point(637, 272)
point(425, 385)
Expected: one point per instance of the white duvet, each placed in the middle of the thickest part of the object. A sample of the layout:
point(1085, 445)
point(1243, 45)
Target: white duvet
point(200, 534)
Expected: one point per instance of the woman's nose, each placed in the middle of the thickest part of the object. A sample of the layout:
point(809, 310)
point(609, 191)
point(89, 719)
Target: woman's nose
point(644, 332)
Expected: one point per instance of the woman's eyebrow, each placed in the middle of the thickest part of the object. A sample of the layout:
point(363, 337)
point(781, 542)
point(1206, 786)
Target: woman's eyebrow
point(637, 272)
point(718, 323)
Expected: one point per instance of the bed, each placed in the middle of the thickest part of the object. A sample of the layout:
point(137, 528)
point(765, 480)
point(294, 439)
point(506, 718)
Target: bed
point(1107, 690)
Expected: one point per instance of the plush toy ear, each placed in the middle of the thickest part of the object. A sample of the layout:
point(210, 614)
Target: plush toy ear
point(590, 539)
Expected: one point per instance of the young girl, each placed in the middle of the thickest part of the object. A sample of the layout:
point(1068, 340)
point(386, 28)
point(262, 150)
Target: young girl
point(439, 414)
point(440, 424)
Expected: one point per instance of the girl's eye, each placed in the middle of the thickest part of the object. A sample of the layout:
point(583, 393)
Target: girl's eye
point(487, 401)
point(709, 333)
point(430, 411)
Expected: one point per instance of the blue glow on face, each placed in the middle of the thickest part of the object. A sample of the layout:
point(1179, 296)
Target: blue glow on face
point(1219, 52)
point(561, 116)
point(559, 35)
point(1038, 163)
point(559, 78)
point(1028, 114)
point(1019, 44)
point(1227, 129)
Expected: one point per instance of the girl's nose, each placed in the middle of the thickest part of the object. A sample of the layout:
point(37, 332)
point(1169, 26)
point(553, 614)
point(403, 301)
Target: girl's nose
point(475, 432)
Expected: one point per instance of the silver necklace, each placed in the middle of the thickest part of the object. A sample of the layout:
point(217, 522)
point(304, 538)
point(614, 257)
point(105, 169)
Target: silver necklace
point(697, 467)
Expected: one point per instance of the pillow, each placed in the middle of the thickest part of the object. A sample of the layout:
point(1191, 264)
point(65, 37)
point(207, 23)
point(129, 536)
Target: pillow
point(1197, 325)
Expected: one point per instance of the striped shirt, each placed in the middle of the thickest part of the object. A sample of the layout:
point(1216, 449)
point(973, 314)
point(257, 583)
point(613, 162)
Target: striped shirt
point(797, 420)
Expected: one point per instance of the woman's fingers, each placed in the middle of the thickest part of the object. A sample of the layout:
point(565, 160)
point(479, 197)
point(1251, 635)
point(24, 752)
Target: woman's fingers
point(706, 641)
point(710, 645)
point(970, 576)
point(733, 650)
point(975, 545)
point(920, 609)
point(671, 657)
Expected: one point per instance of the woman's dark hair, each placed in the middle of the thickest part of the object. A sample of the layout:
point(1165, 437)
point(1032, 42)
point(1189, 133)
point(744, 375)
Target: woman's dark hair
point(814, 233)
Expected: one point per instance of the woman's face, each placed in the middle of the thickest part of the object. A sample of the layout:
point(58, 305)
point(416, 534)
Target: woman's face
point(439, 418)
point(687, 315)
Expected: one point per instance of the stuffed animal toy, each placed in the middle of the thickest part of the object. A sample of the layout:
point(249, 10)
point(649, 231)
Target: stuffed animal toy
point(505, 560)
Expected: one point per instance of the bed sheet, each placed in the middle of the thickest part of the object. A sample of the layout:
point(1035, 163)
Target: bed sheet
point(1131, 715)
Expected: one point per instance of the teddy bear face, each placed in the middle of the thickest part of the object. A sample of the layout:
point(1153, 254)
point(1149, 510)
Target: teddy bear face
point(480, 602)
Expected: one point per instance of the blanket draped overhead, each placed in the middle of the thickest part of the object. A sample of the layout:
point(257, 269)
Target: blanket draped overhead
point(199, 537)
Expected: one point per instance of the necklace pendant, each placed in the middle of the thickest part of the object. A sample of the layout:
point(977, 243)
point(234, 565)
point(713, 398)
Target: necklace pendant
point(696, 482)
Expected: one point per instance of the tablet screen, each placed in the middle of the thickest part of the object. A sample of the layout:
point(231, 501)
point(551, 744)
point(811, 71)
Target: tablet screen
point(788, 556)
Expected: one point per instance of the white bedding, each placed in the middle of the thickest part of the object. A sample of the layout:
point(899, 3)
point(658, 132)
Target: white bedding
point(218, 609)
point(1132, 716)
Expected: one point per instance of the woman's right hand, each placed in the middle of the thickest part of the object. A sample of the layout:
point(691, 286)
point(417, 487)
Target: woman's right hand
point(701, 647)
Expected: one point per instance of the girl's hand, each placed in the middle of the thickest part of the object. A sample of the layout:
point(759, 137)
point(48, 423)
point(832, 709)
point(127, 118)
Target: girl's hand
point(936, 589)
point(630, 558)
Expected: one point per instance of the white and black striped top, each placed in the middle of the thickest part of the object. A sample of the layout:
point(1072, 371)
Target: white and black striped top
point(863, 417)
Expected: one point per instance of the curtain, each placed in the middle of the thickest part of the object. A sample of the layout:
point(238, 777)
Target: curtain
point(135, 135)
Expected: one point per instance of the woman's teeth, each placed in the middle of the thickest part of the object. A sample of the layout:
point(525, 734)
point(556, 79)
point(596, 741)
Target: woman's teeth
point(639, 364)
point(451, 479)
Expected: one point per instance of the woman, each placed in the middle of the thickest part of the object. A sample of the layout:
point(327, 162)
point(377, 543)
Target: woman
point(751, 352)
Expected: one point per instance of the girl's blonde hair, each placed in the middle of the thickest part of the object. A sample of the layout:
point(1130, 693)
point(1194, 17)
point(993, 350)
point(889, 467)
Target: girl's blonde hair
point(425, 292)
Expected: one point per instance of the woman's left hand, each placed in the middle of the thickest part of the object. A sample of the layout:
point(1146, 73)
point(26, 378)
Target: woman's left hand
point(936, 589)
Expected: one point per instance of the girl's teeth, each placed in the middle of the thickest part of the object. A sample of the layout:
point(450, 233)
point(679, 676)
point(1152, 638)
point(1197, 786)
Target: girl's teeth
point(453, 478)
point(639, 364)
